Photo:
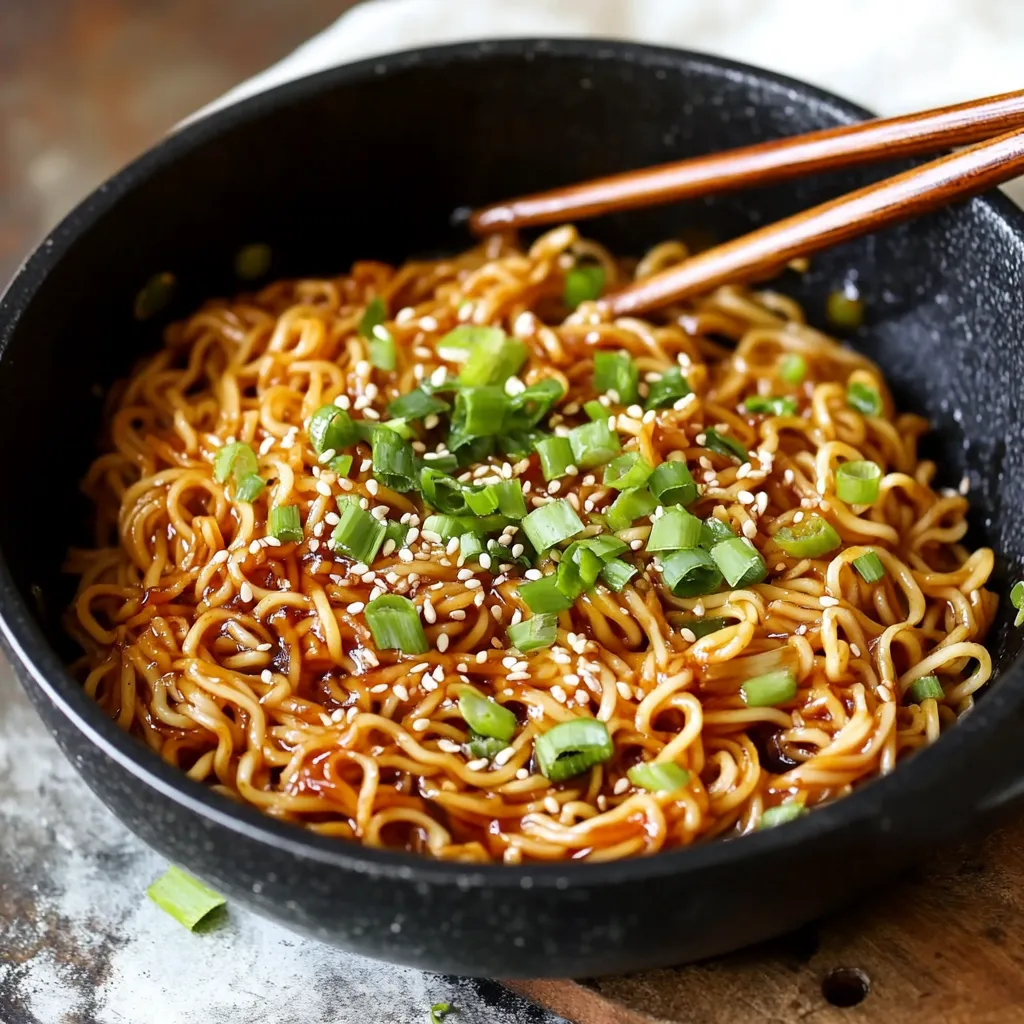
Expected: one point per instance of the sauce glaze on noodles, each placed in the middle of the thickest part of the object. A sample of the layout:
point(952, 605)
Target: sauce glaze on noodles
point(250, 666)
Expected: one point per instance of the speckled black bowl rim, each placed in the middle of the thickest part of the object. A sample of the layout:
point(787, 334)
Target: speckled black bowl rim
point(928, 769)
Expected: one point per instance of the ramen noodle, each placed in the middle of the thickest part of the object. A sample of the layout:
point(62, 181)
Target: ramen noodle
point(445, 559)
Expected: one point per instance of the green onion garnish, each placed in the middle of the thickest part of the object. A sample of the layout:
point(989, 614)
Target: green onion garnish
point(533, 634)
point(236, 460)
point(438, 1012)
point(793, 368)
point(285, 523)
point(397, 532)
point(249, 488)
point(668, 390)
point(572, 747)
point(704, 627)
point(471, 546)
point(630, 506)
point(493, 358)
point(870, 567)
point(739, 561)
point(555, 456)
point(484, 716)
point(394, 461)
point(628, 470)
point(446, 526)
point(341, 464)
point(676, 530)
point(417, 405)
point(381, 348)
point(1017, 600)
point(691, 573)
point(331, 428)
point(616, 372)
point(866, 400)
point(769, 690)
point(511, 502)
point(672, 484)
point(577, 571)
point(376, 313)
point(395, 624)
point(780, 814)
point(583, 284)
point(484, 746)
point(844, 309)
point(605, 547)
point(457, 344)
point(617, 573)
point(770, 406)
point(481, 411)
point(551, 524)
point(445, 493)
point(595, 410)
point(188, 901)
point(594, 444)
point(714, 532)
point(812, 537)
point(481, 501)
point(857, 483)
point(925, 688)
point(721, 444)
point(358, 534)
point(543, 596)
point(658, 776)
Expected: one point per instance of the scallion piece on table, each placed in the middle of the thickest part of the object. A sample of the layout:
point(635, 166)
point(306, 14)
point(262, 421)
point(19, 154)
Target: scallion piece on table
point(484, 716)
point(417, 405)
point(616, 375)
point(285, 523)
point(870, 567)
point(925, 688)
point(543, 596)
point(374, 315)
point(857, 483)
point(394, 461)
point(551, 524)
point(739, 562)
point(658, 776)
point(770, 406)
point(493, 358)
point(583, 283)
point(722, 444)
point(844, 309)
point(705, 626)
point(331, 428)
point(812, 537)
point(691, 573)
point(793, 368)
point(533, 634)
point(595, 410)
point(594, 444)
point(341, 464)
point(484, 746)
point(187, 900)
point(714, 532)
point(1017, 600)
point(249, 488)
point(572, 747)
point(439, 1011)
point(675, 530)
point(444, 493)
point(628, 470)
point(617, 573)
point(864, 398)
point(236, 460)
point(630, 506)
point(555, 456)
point(667, 390)
point(769, 690)
point(780, 814)
point(395, 624)
point(358, 534)
point(672, 484)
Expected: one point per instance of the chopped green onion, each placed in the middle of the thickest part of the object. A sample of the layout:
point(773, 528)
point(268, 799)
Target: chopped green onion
point(925, 688)
point(482, 501)
point(394, 461)
point(331, 428)
point(870, 567)
point(445, 493)
point(691, 573)
point(617, 573)
point(577, 571)
point(780, 814)
point(446, 526)
point(616, 375)
point(676, 530)
point(358, 534)
point(531, 405)
point(534, 634)
point(484, 746)
point(594, 444)
point(285, 523)
point(572, 747)
point(704, 627)
point(551, 524)
point(439, 1011)
point(555, 456)
point(249, 488)
point(865, 399)
point(857, 483)
point(668, 390)
point(583, 284)
point(471, 546)
point(417, 405)
point(739, 561)
point(630, 506)
point(187, 900)
point(493, 358)
point(236, 460)
point(396, 532)
point(381, 349)
point(457, 344)
point(543, 596)
point(395, 624)
point(793, 368)
point(374, 315)
point(769, 690)
point(484, 716)
point(812, 537)
point(770, 406)
point(480, 412)
point(714, 532)
point(672, 484)
point(628, 470)
point(605, 547)
point(341, 464)
point(844, 309)
point(511, 502)
point(721, 444)
point(595, 410)
point(658, 776)
point(400, 427)
point(1017, 600)
point(519, 444)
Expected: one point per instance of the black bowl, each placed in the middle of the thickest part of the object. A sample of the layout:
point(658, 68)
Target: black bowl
point(370, 160)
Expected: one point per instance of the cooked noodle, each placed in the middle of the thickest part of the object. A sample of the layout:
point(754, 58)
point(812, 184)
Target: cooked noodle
point(249, 664)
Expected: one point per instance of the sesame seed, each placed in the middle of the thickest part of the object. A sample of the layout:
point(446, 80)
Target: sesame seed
point(688, 635)
point(474, 585)
point(559, 694)
point(372, 487)
point(448, 746)
point(264, 647)
point(379, 688)
point(442, 642)
point(533, 574)
point(551, 805)
point(620, 787)
point(798, 517)
point(405, 555)
point(624, 691)
point(245, 592)
point(421, 724)
point(478, 765)
point(745, 498)
point(636, 545)
point(522, 773)
point(749, 529)
point(323, 488)
point(855, 650)
point(649, 416)
point(485, 560)
point(267, 676)
point(428, 612)
point(355, 607)
point(504, 756)
point(481, 657)
point(828, 602)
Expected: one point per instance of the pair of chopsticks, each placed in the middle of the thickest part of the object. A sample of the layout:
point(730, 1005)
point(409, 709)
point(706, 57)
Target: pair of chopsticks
point(993, 159)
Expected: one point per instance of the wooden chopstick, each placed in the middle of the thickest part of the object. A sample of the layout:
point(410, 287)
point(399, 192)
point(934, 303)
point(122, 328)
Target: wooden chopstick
point(765, 251)
point(766, 162)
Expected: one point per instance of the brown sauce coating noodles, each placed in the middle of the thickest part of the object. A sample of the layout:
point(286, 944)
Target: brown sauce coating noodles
point(249, 664)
